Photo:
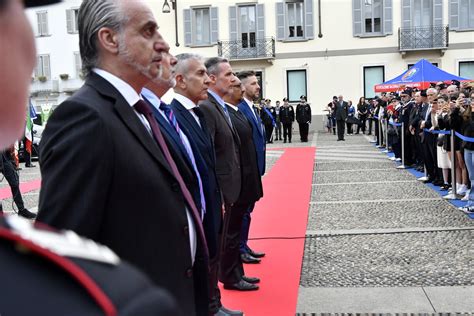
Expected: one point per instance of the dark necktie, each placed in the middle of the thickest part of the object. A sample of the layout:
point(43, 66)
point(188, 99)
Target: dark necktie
point(174, 122)
point(143, 108)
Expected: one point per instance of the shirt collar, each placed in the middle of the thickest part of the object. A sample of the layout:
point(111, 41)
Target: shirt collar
point(218, 98)
point(249, 103)
point(186, 102)
point(152, 97)
point(126, 90)
point(232, 106)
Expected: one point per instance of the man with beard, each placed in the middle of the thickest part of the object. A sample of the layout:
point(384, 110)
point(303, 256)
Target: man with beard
point(226, 144)
point(231, 272)
point(107, 171)
point(251, 92)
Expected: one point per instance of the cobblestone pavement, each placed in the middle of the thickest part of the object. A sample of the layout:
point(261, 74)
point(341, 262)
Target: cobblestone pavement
point(371, 225)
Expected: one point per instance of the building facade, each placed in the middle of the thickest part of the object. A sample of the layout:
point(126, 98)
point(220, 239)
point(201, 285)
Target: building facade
point(317, 48)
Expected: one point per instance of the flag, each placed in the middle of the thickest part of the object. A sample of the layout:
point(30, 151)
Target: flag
point(30, 116)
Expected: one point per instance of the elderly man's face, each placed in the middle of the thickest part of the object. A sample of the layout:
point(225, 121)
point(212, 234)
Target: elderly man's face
point(17, 49)
point(141, 46)
point(340, 98)
point(167, 74)
point(451, 90)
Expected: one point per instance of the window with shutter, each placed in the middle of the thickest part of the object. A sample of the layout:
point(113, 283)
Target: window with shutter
point(372, 17)
point(42, 19)
point(294, 20)
point(466, 14)
point(72, 20)
point(43, 66)
point(201, 26)
point(78, 64)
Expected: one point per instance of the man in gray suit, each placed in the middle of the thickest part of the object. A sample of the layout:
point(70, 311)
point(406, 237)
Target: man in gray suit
point(226, 145)
point(341, 115)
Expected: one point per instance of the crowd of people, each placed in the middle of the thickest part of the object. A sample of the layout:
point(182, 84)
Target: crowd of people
point(428, 117)
point(280, 118)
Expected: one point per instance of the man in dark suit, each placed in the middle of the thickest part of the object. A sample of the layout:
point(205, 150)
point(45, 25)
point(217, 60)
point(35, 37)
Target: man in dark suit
point(191, 83)
point(231, 269)
point(130, 196)
point(341, 111)
point(226, 144)
point(251, 93)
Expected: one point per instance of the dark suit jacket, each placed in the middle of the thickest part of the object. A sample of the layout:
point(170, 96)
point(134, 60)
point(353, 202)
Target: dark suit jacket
point(206, 163)
point(226, 145)
point(105, 177)
point(341, 110)
point(258, 134)
point(252, 189)
point(179, 154)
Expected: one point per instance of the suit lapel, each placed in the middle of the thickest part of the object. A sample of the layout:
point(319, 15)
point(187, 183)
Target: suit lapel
point(191, 122)
point(128, 117)
point(134, 124)
point(254, 119)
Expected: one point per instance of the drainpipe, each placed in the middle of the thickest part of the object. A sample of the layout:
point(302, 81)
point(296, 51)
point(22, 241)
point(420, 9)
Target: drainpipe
point(319, 15)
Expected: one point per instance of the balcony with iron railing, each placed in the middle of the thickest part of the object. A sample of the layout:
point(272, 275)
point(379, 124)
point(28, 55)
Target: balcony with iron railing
point(263, 48)
point(423, 38)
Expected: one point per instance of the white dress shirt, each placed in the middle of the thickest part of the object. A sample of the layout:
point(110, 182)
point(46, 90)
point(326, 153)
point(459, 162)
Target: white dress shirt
point(155, 101)
point(188, 105)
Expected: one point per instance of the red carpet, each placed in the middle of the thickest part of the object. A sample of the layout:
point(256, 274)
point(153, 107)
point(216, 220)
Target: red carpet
point(283, 212)
point(32, 185)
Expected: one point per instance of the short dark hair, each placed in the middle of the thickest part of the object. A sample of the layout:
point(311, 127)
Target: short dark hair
point(245, 74)
point(212, 65)
point(444, 97)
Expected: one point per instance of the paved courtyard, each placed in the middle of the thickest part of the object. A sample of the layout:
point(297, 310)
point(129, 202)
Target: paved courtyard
point(377, 240)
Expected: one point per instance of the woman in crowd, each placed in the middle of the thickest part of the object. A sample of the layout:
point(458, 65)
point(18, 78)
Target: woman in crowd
point(469, 159)
point(440, 118)
point(350, 118)
point(456, 123)
point(362, 111)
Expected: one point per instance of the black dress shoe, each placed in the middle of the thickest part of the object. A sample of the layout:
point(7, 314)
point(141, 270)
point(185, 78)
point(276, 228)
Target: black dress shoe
point(256, 254)
point(428, 181)
point(247, 258)
point(252, 280)
point(27, 214)
point(30, 166)
point(241, 286)
point(225, 312)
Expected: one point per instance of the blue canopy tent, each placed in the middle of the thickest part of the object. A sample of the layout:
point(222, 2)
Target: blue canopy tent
point(420, 76)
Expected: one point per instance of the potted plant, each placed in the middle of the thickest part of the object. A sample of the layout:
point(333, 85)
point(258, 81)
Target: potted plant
point(42, 78)
point(64, 76)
